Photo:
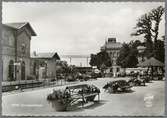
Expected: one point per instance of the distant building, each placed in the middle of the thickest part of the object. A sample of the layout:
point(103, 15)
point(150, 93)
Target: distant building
point(77, 60)
point(112, 48)
point(16, 38)
point(141, 56)
point(84, 69)
point(43, 65)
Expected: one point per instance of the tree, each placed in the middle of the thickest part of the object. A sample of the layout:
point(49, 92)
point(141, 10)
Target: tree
point(160, 50)
point(155, 16)
point(128, 55)
point(121, 60)
point(148, 25)
point(100, 59)
point(144, 27)
point(135, 44)
point(61, 66)
point(93, 61)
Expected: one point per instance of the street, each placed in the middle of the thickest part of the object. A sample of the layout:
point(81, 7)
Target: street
point(146, 100)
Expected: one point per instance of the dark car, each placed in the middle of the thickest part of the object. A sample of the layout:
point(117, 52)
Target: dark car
point(118, 86)
point(147, 78)
point(137, 82)
point(71, 78)
point(86, 77)
point(96, 75)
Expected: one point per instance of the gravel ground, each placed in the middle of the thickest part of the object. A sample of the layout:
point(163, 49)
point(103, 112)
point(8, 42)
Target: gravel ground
point(146, 100)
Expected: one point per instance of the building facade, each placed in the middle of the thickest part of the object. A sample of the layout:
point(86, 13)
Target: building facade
point(141, 57)
point(112, 47)
point(43, 65)
point(16, 38)
point(77, 60)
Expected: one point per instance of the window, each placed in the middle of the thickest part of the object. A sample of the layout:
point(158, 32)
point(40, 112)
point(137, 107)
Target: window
point(23, 48)
point(111, 54)
point(23, 70)
point(11, 70)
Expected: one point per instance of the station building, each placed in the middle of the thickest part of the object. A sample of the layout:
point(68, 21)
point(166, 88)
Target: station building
point(16, 38)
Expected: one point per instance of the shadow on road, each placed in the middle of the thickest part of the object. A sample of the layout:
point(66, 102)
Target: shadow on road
point(90, 105)
point(141, 86)
point(95, 104)
point(122, 92)
point(77, 107)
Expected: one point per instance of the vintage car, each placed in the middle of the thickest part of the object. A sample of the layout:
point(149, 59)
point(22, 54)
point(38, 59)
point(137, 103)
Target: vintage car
point(71, 78)
point(96, 75)
point(72, 94)
point(136, 82)
point(146, 78)
point(117, 86)
point(84, 77)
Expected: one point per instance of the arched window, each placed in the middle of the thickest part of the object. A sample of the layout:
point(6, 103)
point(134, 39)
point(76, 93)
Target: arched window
point(23, 70)
point(34, 68)
point(11, 70)
point(111, 54)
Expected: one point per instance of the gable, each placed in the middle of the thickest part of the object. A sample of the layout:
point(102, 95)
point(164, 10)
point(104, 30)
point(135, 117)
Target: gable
point(20, 26)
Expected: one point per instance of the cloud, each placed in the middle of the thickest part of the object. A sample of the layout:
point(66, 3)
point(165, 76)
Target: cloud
point(77, 28)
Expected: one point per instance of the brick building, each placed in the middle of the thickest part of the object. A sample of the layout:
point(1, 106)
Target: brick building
point(16, 38)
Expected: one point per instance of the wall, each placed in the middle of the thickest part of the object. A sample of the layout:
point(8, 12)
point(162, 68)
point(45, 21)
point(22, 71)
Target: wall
point(23, 40)
point(50, 68)
point(8, 42)
point(8, 50)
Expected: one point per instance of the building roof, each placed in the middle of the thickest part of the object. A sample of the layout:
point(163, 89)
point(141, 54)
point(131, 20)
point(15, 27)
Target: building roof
point(75, 56)
point(45, 55)
point(19, 25)
point(112, 45)
point(151, 62)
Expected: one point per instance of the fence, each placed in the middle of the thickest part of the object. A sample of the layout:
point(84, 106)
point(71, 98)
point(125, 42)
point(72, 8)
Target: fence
point(26, 84)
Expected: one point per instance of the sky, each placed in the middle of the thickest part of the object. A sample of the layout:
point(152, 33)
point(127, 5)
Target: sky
point(78, 28)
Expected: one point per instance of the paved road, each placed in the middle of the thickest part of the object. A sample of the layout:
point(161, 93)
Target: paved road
point(143, 101)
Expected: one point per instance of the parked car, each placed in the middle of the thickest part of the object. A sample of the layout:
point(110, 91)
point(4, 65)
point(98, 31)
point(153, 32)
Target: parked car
point(96, 75)
point(147, 78)
point(118, 86)
point(136, 82)
point(71, 78)
point(121, 74)
point(86, 77)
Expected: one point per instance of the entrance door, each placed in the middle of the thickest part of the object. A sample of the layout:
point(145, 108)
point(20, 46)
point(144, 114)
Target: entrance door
point(11, 70)
point(23, 71)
